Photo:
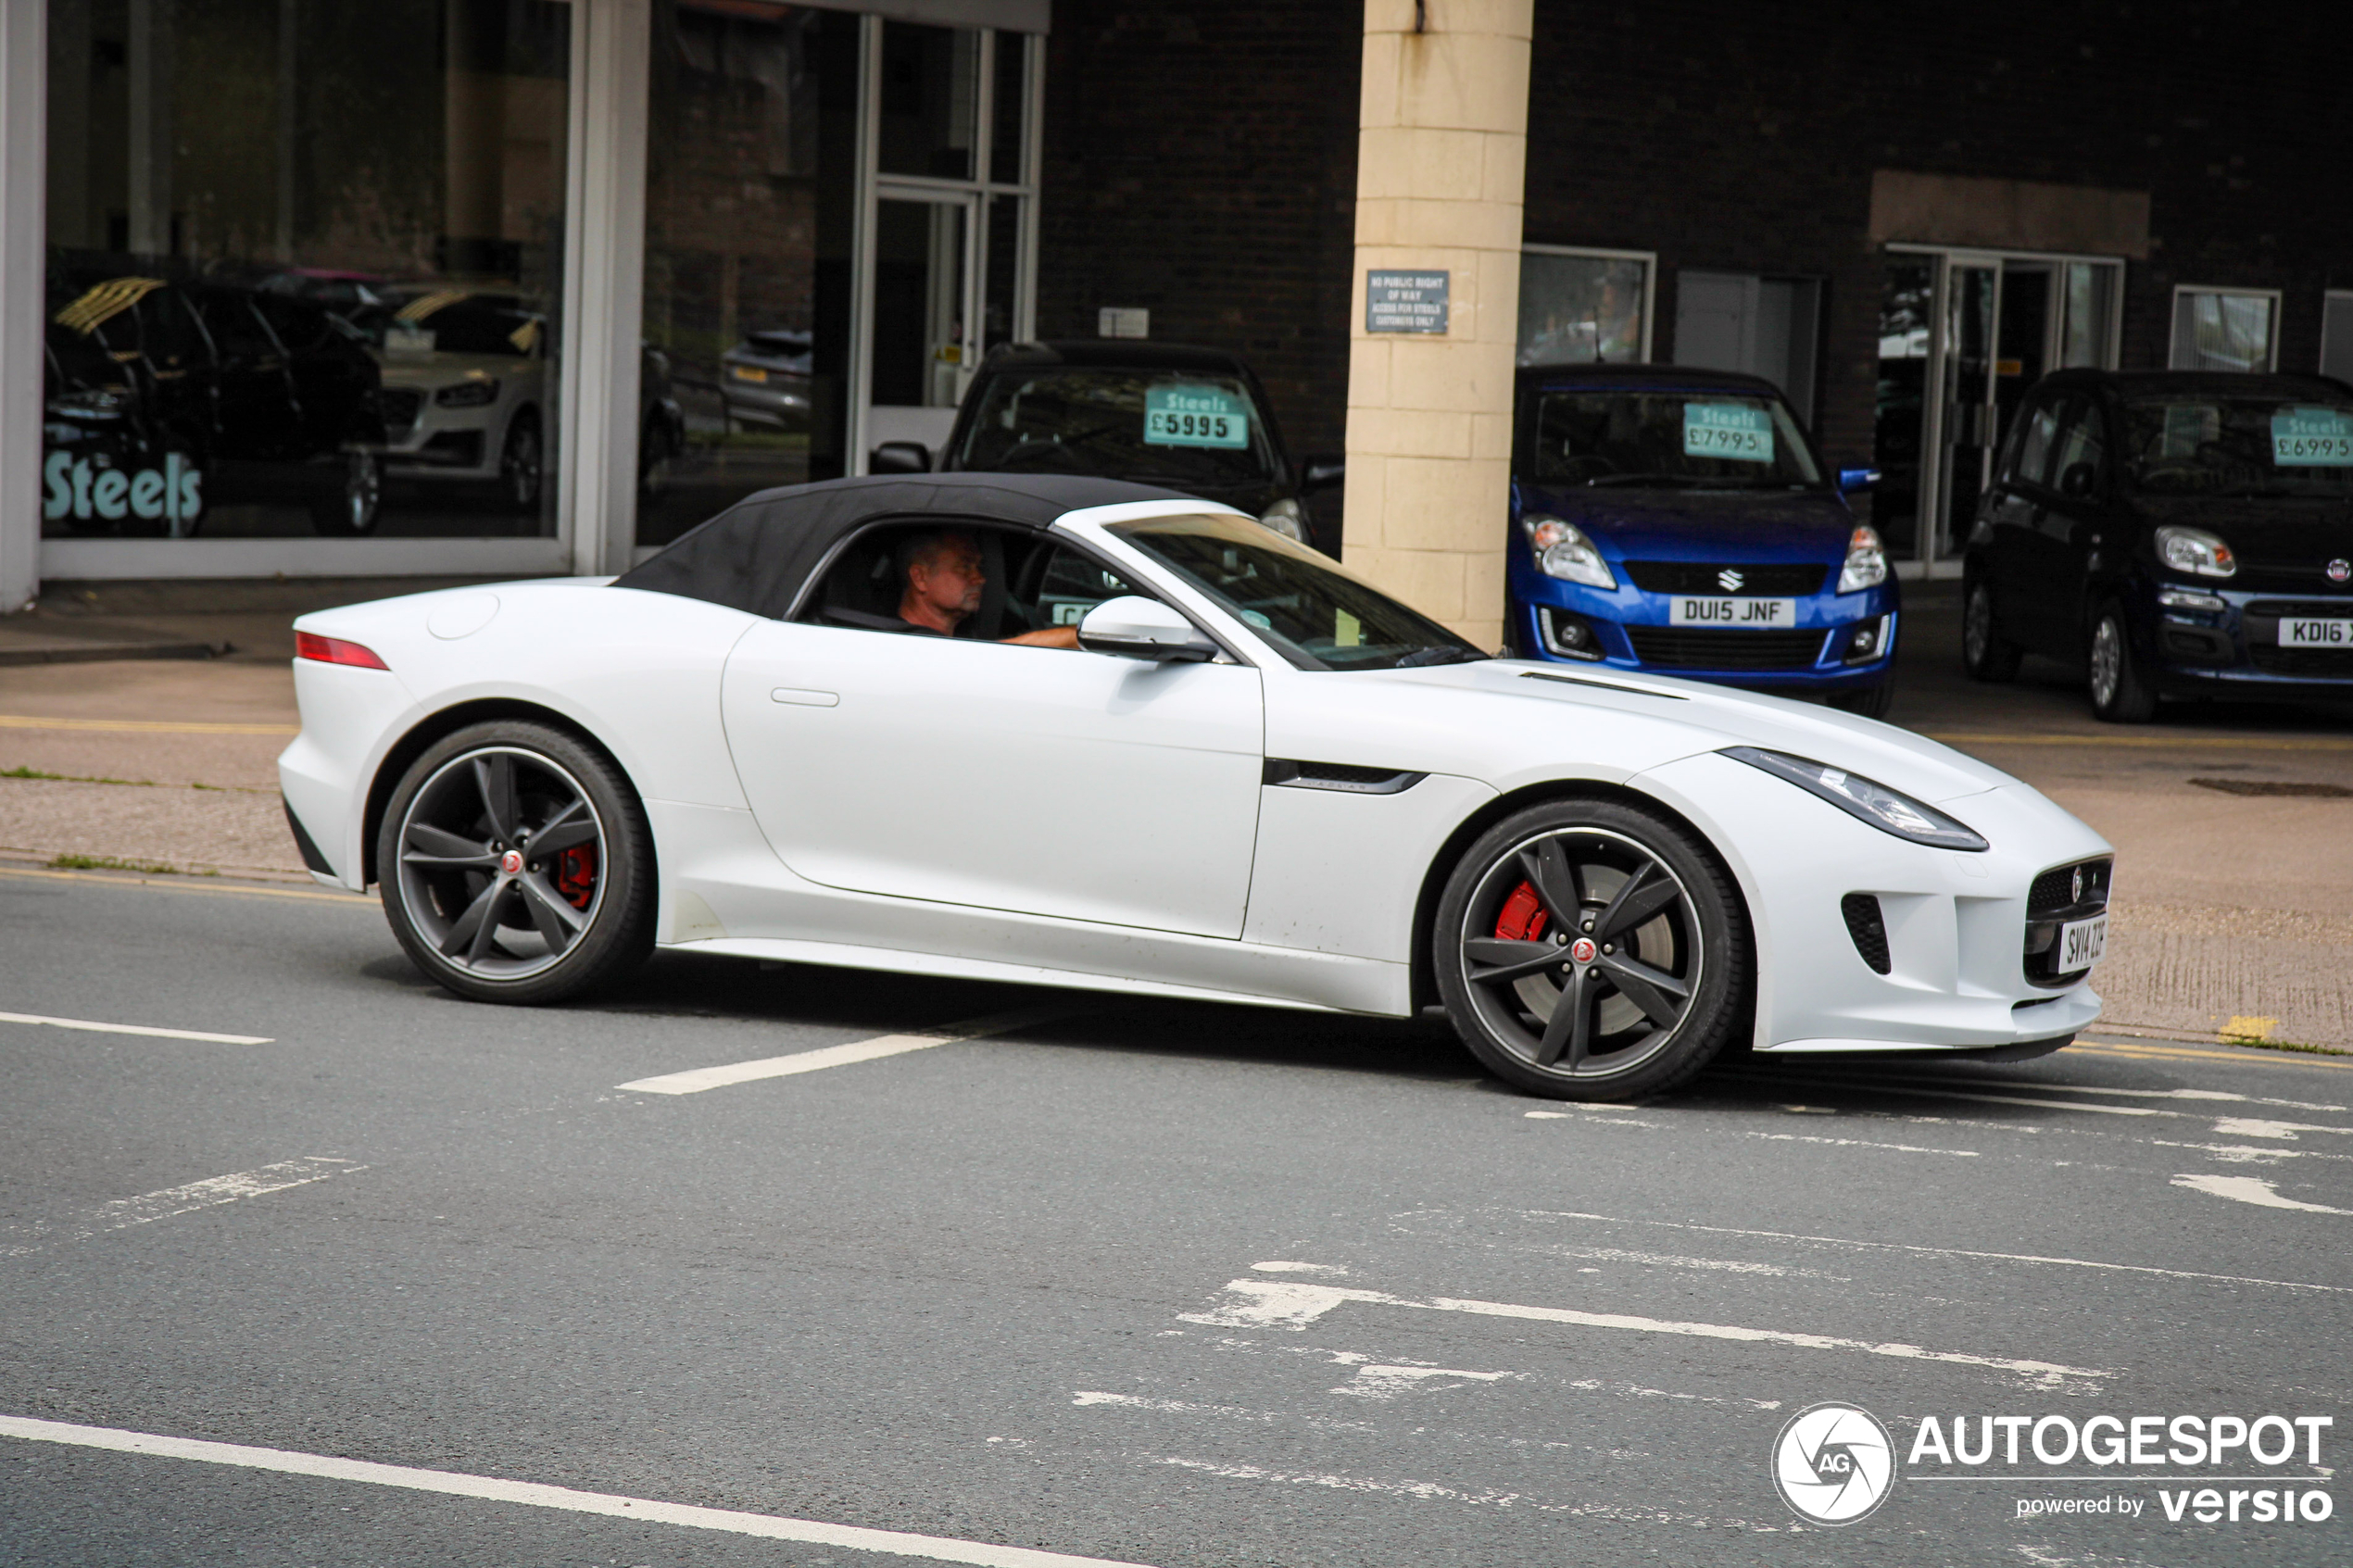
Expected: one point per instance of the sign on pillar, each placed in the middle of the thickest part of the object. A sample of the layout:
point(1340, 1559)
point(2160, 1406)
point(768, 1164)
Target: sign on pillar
point(1406, 302)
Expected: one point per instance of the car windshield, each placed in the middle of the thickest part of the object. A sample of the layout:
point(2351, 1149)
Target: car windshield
point(450, 321)
point(1155, 427)
point(2209, 445)
point(1674, 440)
point(1307, 607)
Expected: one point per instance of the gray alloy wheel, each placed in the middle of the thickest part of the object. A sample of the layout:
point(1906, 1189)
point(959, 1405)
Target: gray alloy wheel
point(516, 865)
point(1984, 654)
point(357, 503)
point(521, 462)
point(1591, 950)
point(2119, 694)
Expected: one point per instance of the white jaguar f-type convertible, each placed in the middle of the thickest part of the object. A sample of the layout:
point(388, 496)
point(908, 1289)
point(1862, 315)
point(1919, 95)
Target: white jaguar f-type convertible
point(1254, 779)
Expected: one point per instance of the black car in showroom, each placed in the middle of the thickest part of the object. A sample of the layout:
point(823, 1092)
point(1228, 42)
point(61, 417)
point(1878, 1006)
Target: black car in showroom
point(1194, 419)
point(2185, 533)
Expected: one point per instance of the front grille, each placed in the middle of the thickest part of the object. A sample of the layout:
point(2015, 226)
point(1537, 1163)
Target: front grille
point(1868, 927)
point(2323, 663)
point(1774, 580)
point(401, 405)
point(2051, 902)
point(1686, 647)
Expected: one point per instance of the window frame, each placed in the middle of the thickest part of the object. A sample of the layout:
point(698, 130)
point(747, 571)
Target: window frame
point(2174, 329)
point(1649, 258)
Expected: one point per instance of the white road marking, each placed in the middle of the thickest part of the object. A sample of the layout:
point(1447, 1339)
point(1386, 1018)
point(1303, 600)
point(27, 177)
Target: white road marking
point(702, 1078)
point(1860, 1143)
point(1591, 1120)
point(1943, 1251)
point(1432, 1490)
point(490, 1489)
point(2251, 1189)
point(2020, 1099)
point(1263, 1303)
point(1636, 1391)
point(150, 1207)
point(1377, 1380)
point(2248, 1153)
point(97, 1028)
point(1300, 1268)
point(2251, 1128)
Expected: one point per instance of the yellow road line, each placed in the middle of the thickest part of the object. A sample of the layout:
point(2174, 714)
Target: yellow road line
point(182, 885)
point(2154, 743)
point(144, 726)
point(2183, 1053)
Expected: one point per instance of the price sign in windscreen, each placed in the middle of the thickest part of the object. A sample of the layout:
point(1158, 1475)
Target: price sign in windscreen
point(2313, 438)
point(1742, 431)
point(1176, 414)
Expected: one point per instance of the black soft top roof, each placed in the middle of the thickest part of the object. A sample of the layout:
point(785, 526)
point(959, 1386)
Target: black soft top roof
point(755, 556)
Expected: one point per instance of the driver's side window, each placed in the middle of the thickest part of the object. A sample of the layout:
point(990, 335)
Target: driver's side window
point(1068, 584)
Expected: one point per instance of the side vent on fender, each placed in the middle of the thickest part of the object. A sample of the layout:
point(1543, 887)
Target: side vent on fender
point(1869, 929)
point(1343, 776)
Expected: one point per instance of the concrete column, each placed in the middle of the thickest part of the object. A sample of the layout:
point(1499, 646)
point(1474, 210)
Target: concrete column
point(1441, 154)
point(24, 60)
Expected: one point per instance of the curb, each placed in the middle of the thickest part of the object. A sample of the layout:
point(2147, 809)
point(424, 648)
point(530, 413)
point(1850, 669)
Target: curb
point(93, 653)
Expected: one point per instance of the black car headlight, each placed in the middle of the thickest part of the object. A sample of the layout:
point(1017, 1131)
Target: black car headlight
point(2195, 553)
point(1865, 799)
point(478, 394)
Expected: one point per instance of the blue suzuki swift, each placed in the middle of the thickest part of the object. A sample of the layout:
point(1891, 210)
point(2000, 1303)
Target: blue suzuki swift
point(1678, 520)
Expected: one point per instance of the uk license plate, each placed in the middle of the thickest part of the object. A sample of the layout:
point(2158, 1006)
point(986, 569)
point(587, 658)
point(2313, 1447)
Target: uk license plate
point(2316, 633)
point(1740, 614)
point(2081, 944)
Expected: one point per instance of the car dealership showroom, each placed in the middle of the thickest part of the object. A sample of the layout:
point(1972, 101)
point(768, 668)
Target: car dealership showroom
point(1292, 783)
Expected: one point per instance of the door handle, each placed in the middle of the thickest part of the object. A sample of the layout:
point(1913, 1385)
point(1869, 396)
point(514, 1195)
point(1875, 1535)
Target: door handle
point(801, 698)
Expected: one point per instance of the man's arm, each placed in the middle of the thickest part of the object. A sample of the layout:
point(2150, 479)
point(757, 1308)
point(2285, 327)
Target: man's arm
point(1051, 638)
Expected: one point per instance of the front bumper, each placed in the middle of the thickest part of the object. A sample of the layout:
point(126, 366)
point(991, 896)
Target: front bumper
point(2235, 650)
point(1630, 630)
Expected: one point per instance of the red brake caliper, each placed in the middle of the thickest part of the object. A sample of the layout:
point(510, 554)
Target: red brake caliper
point(1522, 917)
point(576, 874)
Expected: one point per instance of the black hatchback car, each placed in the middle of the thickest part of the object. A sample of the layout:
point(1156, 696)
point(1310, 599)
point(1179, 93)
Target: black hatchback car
point(2186, 534)
point(1194, 419)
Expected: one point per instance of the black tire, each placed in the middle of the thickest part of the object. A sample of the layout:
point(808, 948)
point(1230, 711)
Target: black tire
point(356, 505)
point(1871, 702)
point(523, 463)
point(1652, 1013)
point(1985, 653)
point(483, 875)
point(2120, 694)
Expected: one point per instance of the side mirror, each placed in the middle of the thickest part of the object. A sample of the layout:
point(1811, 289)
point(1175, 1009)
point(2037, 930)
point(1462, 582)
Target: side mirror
point(900, 457)
point(1136, 627)
point(1322, 472)
point(1851, 480)
point(2079, 480)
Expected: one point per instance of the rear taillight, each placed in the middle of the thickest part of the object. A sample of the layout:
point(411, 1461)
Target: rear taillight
point(334, 650)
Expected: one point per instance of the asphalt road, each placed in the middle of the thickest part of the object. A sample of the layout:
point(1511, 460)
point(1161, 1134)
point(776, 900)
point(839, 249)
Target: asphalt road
point(1160, 1284)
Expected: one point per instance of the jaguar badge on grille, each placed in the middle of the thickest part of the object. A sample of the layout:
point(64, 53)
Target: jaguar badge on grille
point(1729, 581)
point(2075, 893)
point(2340, 570)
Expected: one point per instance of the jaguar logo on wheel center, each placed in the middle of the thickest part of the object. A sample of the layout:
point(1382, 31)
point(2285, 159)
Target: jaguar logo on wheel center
point(1833, 1464)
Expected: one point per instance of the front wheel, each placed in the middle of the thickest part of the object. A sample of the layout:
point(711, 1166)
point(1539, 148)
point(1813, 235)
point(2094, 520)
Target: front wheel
point(1590, 950)
point(2119, 692)
point(522, 463)
point(1985, 654)
point(353, 508)
point(517, 865)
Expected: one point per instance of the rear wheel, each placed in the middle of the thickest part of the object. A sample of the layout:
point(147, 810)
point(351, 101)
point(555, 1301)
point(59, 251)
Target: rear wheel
point(1984, 654)
point(517, 866)
point(351, 510)
point(2119, 692)
point(1590, 950)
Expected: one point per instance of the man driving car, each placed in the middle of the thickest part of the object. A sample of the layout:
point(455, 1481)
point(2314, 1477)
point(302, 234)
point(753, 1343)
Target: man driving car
point(942, 575)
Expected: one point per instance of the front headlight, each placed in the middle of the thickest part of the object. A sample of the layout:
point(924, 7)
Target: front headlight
point(1866, 562)
point(1864, 798)
point(1563, 551)
point(2196, 551)
point(1285, 518)
point(469, 394)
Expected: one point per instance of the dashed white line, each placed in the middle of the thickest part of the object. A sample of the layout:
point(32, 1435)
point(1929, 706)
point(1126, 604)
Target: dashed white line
point(774, 1528)
point(702, 1078)
point(96, 1028)
point(153, 1206)
point(2251, 1189)
point(1863, 1143)
point(1291, 1304)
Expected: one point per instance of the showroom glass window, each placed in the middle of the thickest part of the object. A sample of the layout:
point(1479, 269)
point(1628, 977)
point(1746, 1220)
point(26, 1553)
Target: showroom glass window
point(305, 266)
point(2220, 330)
point(1583, 308)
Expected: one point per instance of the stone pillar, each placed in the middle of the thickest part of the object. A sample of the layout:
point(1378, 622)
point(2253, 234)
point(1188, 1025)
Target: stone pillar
point(1441, 153)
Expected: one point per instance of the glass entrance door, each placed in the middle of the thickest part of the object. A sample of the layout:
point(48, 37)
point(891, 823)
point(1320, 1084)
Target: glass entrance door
point(1965, 410)
point(922, 333)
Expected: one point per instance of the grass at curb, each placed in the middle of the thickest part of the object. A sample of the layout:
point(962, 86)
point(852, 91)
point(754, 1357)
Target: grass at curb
point(114, 863)
point(136, 783)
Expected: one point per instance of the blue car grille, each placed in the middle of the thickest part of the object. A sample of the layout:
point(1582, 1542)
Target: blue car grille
point(1774, 580)
point(1683, 648)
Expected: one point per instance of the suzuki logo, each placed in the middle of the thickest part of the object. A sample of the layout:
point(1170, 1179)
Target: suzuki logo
point(2340, 570)
point(1729, 581)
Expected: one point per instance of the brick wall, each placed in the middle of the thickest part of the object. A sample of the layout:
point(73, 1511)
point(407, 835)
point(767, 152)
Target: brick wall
point(1200, 161)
